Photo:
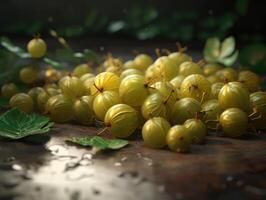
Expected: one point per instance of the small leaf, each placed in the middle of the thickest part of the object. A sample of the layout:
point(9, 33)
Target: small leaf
point(215, 52)
point(229, 61)
point(15, 124)
point(116, 26)
point(53, 63)
point(5, 42)
point(90, 55)
point(99, 142)
point(117, 144)
point(212, 49)
point(87, 55)
point(227, 47)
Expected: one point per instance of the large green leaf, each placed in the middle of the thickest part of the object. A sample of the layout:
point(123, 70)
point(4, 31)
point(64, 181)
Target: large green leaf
point(99, 142)
point(5, 42)
point(15, 124)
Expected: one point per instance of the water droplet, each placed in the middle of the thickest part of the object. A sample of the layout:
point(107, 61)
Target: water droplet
point(65, 158)
point(161, 188)
point(85, 162)
point(149, 161)
point(123, 159)
point(132, 174)
point(87, 156)
point(71, 165)
point(28, 175)
point(118, 164)
point(77, 176)
point(57, 150)
point(17, 167)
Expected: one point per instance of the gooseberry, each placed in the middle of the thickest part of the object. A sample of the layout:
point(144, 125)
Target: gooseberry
point(103, 102)
point(154, 132)
point(37, 48)
point(121, 120)
point(178, 139)
point(22, 101)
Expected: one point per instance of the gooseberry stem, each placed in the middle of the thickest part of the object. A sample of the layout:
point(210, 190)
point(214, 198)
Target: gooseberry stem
point(99, 90)
point(135, 52)
point(166, 51)
point(208, 121)
point(202, 97)
point(180, 48)
point(201, 62)
point(255, 118)
point(102, 131)
point(37, 35)
point(152, 88)
point(168, 97)
point(204, 111)
point(253, 113)
point(158, 52)
point(60, 40)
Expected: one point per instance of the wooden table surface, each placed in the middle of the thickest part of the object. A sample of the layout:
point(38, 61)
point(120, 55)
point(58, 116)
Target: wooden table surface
point(222, 168)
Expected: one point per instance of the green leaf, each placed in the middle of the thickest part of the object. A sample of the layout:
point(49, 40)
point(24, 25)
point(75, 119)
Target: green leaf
point(99, 142)
point(212, 49)
point(6, 43)
point(15, 124)
point(229, 61)
point(116, 26)
point(227, 47)
point(87, 55)
point(223, 53)
point(53, 63)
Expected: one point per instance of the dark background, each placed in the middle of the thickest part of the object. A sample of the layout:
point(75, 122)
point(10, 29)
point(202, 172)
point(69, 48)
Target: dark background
point(189, 21)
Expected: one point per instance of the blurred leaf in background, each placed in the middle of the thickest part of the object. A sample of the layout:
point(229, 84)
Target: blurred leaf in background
point(254, 57)
point(241, 6)
point(220, 52)
point(6, 43)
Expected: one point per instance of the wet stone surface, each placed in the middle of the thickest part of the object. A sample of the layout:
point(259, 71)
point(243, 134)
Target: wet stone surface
point(221, 169)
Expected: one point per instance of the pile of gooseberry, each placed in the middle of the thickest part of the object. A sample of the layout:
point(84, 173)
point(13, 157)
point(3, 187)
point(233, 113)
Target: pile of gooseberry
point(173, 100)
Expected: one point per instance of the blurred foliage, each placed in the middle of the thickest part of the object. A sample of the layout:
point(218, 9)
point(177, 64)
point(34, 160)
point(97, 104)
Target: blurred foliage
point(241, 6)
point(254, 56)
point(147, 23)
point(13, 58)
point(224, 52)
